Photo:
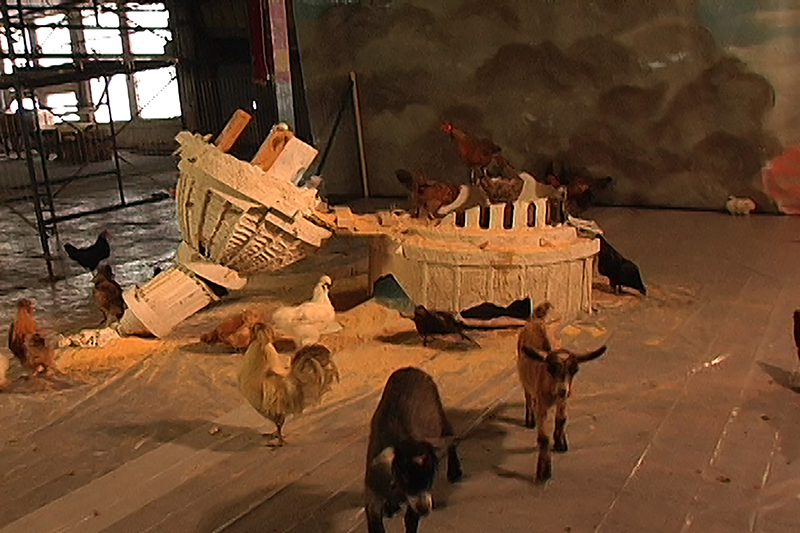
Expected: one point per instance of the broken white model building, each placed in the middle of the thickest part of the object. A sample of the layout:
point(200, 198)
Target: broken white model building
point(237, 219)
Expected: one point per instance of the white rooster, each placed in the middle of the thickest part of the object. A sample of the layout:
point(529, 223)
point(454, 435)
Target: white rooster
point(278, 386)
point(305, 323)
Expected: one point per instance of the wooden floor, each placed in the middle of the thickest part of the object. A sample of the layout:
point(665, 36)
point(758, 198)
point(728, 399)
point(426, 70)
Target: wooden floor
point(690, 423)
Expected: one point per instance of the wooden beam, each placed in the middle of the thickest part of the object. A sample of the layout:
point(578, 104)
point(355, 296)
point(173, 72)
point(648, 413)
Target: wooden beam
point(233, 130)
point(362, 157)
point(272, 147)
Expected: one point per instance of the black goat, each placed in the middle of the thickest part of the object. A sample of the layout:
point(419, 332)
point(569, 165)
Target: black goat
point(401, 461)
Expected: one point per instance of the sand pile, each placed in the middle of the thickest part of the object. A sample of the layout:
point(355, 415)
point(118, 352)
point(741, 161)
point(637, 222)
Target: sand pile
point(118, 354)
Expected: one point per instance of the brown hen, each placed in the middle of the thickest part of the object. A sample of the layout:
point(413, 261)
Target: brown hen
point(25, 341)
point(108, 295)
point(236, 331)
point(427, 195)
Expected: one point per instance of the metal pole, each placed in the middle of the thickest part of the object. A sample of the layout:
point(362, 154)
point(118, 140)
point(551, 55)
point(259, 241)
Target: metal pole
point(114, 142)
point(78, 45)
point(280, 54)
point(39, 142)
point(127, 56)
point(37, 203)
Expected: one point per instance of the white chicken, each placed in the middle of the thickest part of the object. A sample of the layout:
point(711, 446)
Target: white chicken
point(740, 206)
point(305, 323)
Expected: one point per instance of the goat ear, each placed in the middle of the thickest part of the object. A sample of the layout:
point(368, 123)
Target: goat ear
point(591, 355)
point(533, 353)
point(385, 458)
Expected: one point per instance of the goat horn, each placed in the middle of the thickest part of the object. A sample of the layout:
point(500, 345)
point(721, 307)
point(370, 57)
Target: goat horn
point(591, 355)
point(533, 353)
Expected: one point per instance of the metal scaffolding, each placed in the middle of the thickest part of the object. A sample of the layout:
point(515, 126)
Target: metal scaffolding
point(27, 76)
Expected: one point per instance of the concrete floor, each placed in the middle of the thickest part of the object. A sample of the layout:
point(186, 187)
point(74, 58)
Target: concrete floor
point(688, 424)
point(142, 237)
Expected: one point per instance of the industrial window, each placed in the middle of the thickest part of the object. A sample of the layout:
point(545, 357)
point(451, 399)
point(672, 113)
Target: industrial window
point(104, 31)
point(52, 39)
point(64, 106)
point(118, 91)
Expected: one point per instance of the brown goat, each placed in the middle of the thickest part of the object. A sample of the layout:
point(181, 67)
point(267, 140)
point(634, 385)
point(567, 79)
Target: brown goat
point(546, 374)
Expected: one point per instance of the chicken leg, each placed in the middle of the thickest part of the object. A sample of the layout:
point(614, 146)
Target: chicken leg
point(277, 434)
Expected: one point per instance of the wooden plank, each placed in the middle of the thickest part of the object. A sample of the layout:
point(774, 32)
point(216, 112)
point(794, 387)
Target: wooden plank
point(272, 147)
point(362, 157)
point(233, 130)
point(279, 27)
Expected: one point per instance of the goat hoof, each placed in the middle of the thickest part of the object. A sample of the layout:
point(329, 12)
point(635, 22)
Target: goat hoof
point(454, 475)
point(530, 424)
point(544, 474)
point(560, 446)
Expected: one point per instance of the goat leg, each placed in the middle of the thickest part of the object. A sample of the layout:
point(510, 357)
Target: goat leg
point(411, 520)
point(530, 419)
point(374, 517)
point(559, 436)
point(454, 472)
point(544, 466)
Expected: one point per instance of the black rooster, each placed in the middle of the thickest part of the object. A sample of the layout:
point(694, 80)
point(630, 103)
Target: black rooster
point(620, 272)
point(437, 323)
point(90, 256)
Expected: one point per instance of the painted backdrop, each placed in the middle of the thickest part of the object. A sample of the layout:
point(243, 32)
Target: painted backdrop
point(682, 102)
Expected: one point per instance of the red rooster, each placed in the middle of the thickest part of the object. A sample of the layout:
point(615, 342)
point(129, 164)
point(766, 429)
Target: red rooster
point(488, 167)
point(476, 153)
point(25, 341)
